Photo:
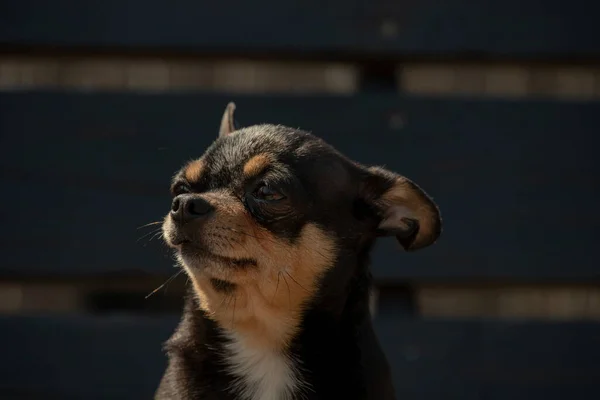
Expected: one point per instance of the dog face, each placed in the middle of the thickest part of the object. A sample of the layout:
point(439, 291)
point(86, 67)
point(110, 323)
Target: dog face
point(267, 211)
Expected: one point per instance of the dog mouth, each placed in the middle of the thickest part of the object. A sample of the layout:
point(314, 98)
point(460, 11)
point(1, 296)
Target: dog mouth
point(192, 250)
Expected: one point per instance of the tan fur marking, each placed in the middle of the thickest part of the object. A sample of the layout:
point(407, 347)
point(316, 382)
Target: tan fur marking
point(193, 171)
point(405, 193)
point(266, 308)
point(267, 304)
point(256, 165)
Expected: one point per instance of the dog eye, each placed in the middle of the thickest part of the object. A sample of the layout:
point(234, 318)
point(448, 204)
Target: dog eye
point(267, 193)
point(180, 188)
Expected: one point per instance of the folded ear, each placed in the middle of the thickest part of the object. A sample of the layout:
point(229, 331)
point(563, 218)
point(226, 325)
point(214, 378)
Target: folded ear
point(403, 208)
point(227, 122)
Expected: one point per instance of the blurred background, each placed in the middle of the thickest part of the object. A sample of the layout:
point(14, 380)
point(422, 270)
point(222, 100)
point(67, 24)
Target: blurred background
point(492, 107)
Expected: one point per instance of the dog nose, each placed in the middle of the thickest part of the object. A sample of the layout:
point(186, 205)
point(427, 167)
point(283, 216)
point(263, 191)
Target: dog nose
point(186, 208)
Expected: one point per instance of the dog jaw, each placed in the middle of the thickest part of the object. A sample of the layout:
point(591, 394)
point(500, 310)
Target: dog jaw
point(267, 303)
point(261, 312)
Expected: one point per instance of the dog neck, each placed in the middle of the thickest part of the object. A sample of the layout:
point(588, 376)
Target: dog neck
point(327, 338)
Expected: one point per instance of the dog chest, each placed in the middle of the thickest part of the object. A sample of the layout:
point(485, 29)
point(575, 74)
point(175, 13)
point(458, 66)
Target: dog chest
point(260, 374)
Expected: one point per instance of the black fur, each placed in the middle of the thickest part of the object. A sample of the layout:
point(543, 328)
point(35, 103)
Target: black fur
point(340, 356)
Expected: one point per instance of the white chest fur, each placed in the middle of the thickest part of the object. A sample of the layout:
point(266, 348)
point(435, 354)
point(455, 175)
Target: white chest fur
point(262, 374)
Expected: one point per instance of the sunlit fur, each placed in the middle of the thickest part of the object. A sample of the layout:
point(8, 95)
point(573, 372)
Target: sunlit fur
point(267, 303)
point(280, 288)
point(264, 311)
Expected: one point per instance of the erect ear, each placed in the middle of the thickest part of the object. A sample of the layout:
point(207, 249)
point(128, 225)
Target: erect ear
point(404, 209)
point(227, 122)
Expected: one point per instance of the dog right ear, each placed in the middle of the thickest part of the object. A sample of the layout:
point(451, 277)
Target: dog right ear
point(227, 122)
point(404, 209)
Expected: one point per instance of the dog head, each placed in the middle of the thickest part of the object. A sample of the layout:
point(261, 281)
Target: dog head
point(261, 218)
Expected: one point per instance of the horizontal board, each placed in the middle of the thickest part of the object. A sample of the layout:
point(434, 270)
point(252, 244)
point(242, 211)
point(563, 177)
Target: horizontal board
point(356, 27)
point(120, 358)
point(61, 357)
point(515, 180)
point(492, 360)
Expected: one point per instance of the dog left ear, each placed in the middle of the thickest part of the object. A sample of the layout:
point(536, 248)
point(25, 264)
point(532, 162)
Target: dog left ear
point(227, 122)
point(404, 209)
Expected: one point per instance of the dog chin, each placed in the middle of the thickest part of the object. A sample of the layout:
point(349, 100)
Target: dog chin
point(189, 261)
point(197, 266)
point(172, 236)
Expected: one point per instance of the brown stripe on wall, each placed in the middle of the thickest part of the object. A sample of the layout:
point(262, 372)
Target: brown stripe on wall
point(493, 80)
point(158, 74)
point(559, 302)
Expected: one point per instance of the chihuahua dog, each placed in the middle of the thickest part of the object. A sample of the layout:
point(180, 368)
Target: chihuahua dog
point(274, 228)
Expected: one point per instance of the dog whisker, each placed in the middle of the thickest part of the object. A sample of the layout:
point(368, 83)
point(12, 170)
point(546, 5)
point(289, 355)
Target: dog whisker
point(252, 301)
point(289, 291)
point(233, 314)
point(276, 286)
point(148, 234)
point(297, 283)
point(268, 239)
point(175, 275)
point(150, 224)
point(254, 237)
point(230, 239)
point(157, 234)
point(226, 297)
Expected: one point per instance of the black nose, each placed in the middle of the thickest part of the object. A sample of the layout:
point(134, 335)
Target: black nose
point(187, 207)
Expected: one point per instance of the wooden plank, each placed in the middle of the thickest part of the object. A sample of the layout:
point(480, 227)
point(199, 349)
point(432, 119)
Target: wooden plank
point(133, 73)
point(93, 294)
point(66, 357)
point(565, 29)
point(479, 359)
point(514, 179)
point(558, 302)
point(120, 357)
